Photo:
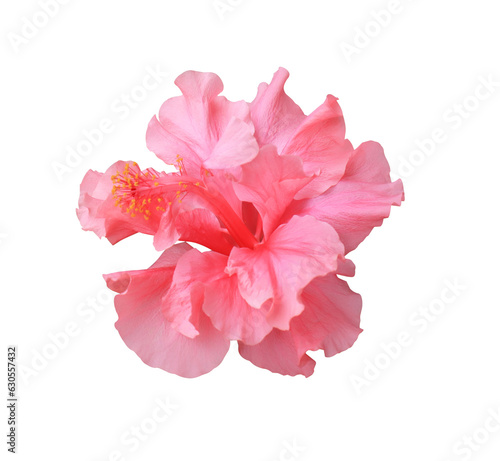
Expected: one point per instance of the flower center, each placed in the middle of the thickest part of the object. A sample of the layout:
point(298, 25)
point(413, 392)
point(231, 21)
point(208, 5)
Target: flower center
point(150, 193)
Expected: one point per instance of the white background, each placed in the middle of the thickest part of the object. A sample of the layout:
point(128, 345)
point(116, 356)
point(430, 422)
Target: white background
point(80, 401)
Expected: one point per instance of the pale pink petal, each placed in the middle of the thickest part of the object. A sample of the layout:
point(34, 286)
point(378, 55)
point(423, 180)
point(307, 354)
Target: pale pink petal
point(235, 147)
point(146, 331)
point(280, 268)
point(320, 142)
point(270, 183)
point(191, 126)
point(199, 280)
point(360, 201)
point(274, 114)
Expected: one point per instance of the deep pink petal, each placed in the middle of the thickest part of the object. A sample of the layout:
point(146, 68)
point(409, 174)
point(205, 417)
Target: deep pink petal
point(275, 116)
point(360, 201)
point(146, 331)
point(280, 268)
point(193, 126)
point(270, 183)
point(202, 227)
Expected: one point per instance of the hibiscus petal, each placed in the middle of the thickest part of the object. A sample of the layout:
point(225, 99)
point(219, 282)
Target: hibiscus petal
point(200, 280)
point(231, 314)
point(320, 142)
point(192, 126)
point(167, 233)
point(97, 211)
point(235, 147)
point(202, 227)
point(277, 353)
point(330, 321)
point(270, 182)
point(280, 268)
point(274, 114)
point(146, 331)
point(360, 201)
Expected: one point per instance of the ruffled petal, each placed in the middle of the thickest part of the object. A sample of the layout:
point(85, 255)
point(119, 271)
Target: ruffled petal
point(277, 353)
point(147, 332)
point(274, 114)
point(330, 321)
point(360, 201)
point(97, 211)
point(232, 315)
point(281, 267)
point(320, 142)
point(200, 280)
point(270, 183)
point(202, 227)
point(192, 126)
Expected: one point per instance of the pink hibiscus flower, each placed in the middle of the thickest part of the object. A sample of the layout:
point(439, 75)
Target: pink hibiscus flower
point(277, 197)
